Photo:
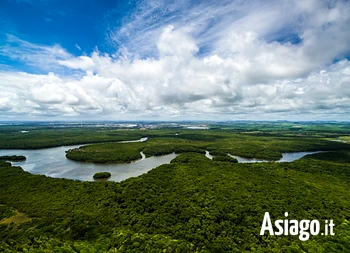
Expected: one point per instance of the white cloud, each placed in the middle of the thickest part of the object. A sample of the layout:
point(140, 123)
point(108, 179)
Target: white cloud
point(41, 56)
point(248, 72)
point(77, 47)
point(81, 62)
point(175, 43)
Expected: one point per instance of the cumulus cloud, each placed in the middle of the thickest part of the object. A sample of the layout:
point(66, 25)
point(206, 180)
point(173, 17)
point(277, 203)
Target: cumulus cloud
point(175, 43)
point(248, 71)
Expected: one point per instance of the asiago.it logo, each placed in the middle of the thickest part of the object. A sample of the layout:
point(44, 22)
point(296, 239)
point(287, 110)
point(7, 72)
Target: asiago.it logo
point(303, 228)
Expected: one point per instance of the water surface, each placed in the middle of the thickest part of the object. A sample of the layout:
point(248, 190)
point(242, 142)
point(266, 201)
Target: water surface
point(52, 162)
point(286, 157)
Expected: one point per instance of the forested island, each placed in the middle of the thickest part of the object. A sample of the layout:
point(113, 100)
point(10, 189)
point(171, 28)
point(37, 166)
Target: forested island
point(193, 204)
point(102, 175)
point(13, 158)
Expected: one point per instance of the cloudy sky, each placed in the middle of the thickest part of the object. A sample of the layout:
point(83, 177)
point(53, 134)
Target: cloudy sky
point(174, 60)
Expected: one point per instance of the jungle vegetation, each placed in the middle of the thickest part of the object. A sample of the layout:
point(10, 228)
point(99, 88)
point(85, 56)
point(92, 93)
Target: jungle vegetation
point(102, 175)
point(13, 158)
point(225, 159)
point(217, 142)
point(193, 204)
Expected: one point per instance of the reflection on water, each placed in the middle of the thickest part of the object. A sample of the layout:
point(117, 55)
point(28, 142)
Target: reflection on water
point(52, 162)
point(286, 157)
point(208, 155)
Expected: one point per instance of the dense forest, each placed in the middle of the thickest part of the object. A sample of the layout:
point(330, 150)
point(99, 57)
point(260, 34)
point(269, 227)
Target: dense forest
point(193, 204)
point(217, 142)
point(12, 158)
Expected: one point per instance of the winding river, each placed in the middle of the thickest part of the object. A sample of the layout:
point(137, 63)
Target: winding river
point(286, 157)
point(52, 162)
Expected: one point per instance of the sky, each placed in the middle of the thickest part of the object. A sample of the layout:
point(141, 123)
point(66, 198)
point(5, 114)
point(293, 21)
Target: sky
point(174, 60)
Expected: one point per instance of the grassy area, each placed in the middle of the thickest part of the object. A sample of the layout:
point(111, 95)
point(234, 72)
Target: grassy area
point(345, 138)
point(17, 218)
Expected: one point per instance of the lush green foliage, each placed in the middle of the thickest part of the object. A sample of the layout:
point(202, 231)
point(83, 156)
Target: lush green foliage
point(155, 149)
point(13, 158)
point(106, 153)
point(193, 204)
point(225, 159)
point(336, 156)
point(6, 212)
point(128, 152)
point(4, 164)
point(100, 175)
point(12, 138)
point(244, 145)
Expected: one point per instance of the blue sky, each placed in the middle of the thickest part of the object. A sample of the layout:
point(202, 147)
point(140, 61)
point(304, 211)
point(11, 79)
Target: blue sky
point(167, 60)
point(77, 26)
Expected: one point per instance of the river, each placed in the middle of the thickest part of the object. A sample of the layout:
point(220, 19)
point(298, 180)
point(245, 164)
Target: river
point(286, 157)
point(52, 162)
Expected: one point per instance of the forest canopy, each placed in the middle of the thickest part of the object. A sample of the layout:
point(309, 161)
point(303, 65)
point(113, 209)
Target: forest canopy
point(193, 204)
